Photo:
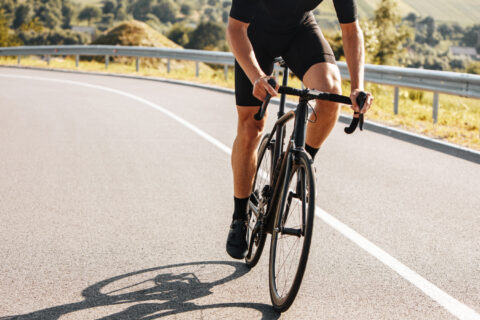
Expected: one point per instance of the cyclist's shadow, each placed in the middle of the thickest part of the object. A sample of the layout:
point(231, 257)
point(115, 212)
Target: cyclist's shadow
point(157, 292)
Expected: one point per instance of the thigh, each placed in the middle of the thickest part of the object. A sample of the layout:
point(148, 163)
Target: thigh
point(308, 48)
point(243, 86)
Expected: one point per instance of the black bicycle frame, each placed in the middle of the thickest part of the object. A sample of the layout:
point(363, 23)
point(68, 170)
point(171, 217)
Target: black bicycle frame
point(296, 143)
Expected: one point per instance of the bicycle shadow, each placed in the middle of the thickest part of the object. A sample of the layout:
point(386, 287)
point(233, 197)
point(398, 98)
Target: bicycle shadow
point(157, 292)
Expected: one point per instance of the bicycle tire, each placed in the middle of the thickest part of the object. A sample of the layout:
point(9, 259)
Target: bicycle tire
point(263, 174)
point(299, 169)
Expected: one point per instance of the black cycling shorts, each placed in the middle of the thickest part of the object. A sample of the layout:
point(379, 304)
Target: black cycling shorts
point(300, 49)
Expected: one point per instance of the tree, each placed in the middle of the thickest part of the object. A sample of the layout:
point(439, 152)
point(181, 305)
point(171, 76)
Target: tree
point(49, 13)
point(141, 8)
point(68, 11)
point(121, 10)
point(180, 34)
point(471, 38)
point(89, 13)
point(186, 9)
point(207, 35)
point(106, 21)
point(446, 31)
point(166, 11)
point(108, 6)
point(21, 15)
point(6, 38)
point(385, 35)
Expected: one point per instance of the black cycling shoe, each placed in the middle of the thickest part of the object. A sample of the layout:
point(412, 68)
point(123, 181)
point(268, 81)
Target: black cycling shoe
point(237, 239)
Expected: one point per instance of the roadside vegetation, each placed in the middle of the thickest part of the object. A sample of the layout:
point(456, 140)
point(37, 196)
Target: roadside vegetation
point(459, 118)
point(390, 37)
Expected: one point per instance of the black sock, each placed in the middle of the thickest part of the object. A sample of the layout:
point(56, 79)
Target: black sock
point(311, 151)
point(240, 212)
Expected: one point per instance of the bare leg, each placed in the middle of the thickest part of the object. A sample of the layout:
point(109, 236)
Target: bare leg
point(324, 77)
point(244, 152)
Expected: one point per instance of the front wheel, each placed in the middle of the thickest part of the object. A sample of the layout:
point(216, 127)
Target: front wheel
point(292, 232)
point(259, 202)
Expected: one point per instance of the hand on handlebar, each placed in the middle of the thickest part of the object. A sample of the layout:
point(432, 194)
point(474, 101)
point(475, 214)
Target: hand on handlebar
point(361, 102)
point(261, 87)
point(367, 104)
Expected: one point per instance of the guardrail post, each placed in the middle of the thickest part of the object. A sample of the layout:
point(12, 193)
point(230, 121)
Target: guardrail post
point(19, 59)
point(395, 101)
point(435, 107)
point(168, 65)
point(277, 74)
point(197, 69)
point(107, 60)
point(77, 60)
point(137, 64)
point(225, 72)
point(47, 57)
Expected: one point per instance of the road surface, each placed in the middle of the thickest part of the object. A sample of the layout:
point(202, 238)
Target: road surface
point(116, 196)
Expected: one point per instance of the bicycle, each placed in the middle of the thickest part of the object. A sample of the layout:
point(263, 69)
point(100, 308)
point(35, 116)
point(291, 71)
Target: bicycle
point(284, 183)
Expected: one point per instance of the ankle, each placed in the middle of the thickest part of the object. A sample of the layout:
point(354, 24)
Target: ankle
point(311, 151)
point(240, 211)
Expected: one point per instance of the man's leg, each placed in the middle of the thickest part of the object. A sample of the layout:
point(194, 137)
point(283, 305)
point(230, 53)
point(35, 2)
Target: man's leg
point(324, 77)
point(244, 152)
point(244, 162)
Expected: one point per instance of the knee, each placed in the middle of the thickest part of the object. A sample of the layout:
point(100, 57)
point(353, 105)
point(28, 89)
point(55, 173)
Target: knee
point(332, 84)
point(249, 133)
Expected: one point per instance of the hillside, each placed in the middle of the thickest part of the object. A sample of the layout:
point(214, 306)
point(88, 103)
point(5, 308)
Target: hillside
point(463, 12)
point(135, 33)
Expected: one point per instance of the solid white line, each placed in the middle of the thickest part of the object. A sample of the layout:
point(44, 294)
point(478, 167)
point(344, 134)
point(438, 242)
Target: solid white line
point(451, 304)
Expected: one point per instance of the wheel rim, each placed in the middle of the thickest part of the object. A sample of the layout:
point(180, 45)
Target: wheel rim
point(258, 202)
point(288, 248)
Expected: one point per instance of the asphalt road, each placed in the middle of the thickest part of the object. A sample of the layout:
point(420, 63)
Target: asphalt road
point(110, 208)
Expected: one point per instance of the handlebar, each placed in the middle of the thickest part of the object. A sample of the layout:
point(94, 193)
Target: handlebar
point(309, 94)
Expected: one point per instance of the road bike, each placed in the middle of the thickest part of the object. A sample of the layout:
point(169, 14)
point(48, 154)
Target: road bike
point(282, 202)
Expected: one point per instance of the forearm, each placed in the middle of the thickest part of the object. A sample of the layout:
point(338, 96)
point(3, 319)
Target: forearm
point(242, 50)
point(354, 54)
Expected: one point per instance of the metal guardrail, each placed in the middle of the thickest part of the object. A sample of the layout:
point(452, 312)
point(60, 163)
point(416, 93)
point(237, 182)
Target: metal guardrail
point(460, 84)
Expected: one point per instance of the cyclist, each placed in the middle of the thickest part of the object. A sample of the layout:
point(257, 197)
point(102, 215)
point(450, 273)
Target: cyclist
point(257, 32)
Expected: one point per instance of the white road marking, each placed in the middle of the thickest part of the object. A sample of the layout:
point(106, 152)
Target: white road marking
point(451, 304)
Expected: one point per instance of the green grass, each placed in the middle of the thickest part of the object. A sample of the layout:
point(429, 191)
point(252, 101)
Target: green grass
point(459, 118)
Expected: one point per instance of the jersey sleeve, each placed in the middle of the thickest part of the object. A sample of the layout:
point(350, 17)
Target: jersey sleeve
point(346, 10)
point(243, 10)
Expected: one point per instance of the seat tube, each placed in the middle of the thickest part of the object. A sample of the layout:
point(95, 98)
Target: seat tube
point(300, 128)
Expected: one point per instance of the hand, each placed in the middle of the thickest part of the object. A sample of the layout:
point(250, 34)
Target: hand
point(261, 87)
point(368, 102)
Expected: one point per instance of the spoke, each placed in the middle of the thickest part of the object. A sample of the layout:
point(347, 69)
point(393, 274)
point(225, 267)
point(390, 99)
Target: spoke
point(289, 252)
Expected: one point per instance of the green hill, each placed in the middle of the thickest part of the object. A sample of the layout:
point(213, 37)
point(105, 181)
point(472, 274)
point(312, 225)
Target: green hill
point(135, 33)
point(463, 12)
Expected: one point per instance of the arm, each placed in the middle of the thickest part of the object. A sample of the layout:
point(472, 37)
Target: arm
point(243, 51)
point(353, 46)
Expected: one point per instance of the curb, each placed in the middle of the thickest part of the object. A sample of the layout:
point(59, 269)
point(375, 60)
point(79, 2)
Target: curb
point(423, 141)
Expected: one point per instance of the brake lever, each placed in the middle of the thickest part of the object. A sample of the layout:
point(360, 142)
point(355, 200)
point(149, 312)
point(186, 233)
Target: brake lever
point(261, 112)
point(361, 98)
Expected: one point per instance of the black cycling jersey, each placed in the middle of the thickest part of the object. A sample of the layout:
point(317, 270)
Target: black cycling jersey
point(284, 28)
point(285, 15)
